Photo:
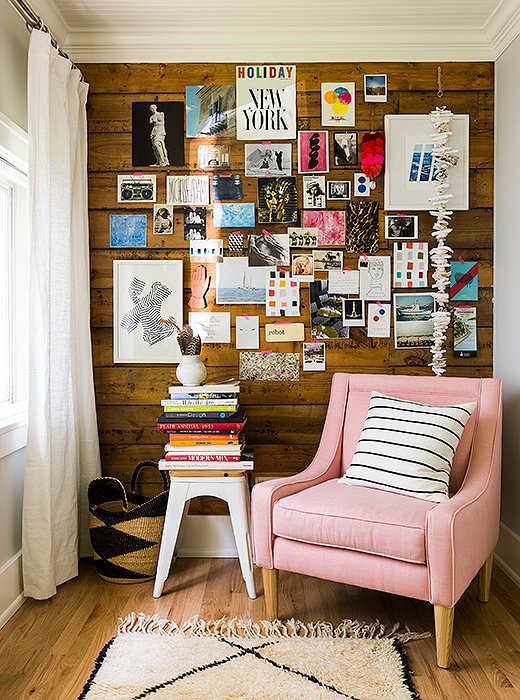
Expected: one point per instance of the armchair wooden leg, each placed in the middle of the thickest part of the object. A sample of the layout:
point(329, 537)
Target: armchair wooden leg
point(270, 578)
point(484, 579)
point(443, 634)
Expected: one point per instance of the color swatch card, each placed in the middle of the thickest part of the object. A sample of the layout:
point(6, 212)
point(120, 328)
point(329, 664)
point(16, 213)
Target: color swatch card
point(283, 295)
point(410, 265)
point(248, 332)
point(378, 321)
point(464, 281)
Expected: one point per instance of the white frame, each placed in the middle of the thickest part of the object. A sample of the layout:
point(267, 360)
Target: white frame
point(166, 351)
point(399, 194)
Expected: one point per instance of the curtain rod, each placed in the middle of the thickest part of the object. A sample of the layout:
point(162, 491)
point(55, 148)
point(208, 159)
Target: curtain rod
point(34, 21)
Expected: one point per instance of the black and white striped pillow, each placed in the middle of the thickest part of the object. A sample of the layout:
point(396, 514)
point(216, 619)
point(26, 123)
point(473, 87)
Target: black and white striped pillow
point(408, 447)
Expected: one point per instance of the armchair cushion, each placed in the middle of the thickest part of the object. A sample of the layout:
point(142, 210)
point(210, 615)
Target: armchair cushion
point(357, 518)
point(408, 447)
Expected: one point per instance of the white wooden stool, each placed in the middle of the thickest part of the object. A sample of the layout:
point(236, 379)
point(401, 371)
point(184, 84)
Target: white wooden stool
point(233, 489)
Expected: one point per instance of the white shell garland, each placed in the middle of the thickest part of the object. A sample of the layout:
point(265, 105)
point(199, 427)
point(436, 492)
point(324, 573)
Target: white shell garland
point(445, 157)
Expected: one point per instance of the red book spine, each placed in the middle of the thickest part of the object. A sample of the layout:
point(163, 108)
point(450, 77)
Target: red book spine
point(201, 458)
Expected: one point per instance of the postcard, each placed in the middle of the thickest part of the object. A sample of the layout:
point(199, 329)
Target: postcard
point(314, 356)
point(162, 219)
point(269, 249)
point(136, 188)
point(303, 237)
point(237, 283)
point(353, 312)
point(283, 295)
point(236, 242)
point(207, 251)
point(464, 281)
point(128, 231)
point(212, 327)
point(375, 88)
point(210, 111)
point(326, 312)
point(187, 190)
point(314, 193)
point(375, 280)
point(226, 187)
point(413, 324)
point(465, 331)
point(325, 260)
point(344, 282)
point(313, 152)
point(194, 224)
point(268, 160)
point(284, 332)
point(345, 148)
point(410, 265)
point(277, 200)
point(247, 332)
point(401, 226)
point(270, 366)
point(234, 215)
point(361, 185)
point(330, 225)
point(157, 134)
point(378, 320)
point(338, 104)
point(215, 155)
point(302, 268)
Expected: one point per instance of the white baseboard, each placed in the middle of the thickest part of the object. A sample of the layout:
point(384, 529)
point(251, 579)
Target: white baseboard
point(207, 536)
point(11, 588)
point(507, 553)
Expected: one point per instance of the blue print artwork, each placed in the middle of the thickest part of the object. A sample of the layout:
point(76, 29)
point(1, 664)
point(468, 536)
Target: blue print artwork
point(234, 215)
point(422, 165)
point(128, 231)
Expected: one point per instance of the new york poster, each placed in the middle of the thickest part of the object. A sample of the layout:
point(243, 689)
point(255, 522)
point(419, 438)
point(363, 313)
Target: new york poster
point(266, 102)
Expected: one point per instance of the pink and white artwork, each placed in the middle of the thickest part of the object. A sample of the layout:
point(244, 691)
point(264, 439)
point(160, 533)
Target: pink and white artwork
point(330, 225)
point(313, 151)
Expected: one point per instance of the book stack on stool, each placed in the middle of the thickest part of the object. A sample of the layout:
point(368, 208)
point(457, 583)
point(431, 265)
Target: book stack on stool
point(204, 425)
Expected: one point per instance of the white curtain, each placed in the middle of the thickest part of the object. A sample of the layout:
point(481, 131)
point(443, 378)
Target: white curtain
point(62, 445)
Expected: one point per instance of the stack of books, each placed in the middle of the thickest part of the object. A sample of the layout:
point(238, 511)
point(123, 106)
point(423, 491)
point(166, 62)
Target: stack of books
point(204, 426)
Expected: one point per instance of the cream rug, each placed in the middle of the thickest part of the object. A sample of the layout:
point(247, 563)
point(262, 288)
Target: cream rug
point(229, 659)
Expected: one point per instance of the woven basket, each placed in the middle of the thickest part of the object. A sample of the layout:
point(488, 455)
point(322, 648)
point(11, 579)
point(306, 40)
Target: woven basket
point(126, 529)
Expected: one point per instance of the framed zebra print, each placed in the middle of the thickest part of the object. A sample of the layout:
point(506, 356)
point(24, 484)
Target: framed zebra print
point(147, 310)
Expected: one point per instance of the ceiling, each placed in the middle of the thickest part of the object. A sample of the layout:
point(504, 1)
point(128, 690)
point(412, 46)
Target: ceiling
point(281, 30)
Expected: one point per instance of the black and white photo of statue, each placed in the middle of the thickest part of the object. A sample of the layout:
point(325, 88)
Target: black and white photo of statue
point(157, 134)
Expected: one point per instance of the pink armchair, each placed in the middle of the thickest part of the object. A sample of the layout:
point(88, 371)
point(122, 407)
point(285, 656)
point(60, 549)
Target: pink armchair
point(311, 524)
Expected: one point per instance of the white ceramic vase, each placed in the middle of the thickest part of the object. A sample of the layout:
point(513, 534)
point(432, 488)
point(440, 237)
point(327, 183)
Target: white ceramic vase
point(191, 371)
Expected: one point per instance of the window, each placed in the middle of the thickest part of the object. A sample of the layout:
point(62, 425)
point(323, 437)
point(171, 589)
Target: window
point(6, 264)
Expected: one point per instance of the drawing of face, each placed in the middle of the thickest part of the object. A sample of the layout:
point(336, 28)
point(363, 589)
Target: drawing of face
point(277, 195)
point(376, 270)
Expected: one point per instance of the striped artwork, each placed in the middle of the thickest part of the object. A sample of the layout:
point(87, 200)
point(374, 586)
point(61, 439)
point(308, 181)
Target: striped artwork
point(408, 447)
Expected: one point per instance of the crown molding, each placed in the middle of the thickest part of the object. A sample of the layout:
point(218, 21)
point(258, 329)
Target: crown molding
point(503, 26)
point(52, 18)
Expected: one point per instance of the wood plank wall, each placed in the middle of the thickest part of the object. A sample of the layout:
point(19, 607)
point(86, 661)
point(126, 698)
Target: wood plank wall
point(285, 419)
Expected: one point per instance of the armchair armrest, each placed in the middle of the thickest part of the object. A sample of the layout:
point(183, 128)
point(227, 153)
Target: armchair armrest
point(325, 465)
point(463, 531)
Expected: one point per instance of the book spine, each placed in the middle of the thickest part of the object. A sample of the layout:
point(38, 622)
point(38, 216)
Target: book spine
point(201, 414)
point(209, 388)
point(197, 402)
point(200, 409)
point(205, 435)
point(186, 466)
point(201, 458)
point(197, 427)
point(202, 443)
point(214, 396)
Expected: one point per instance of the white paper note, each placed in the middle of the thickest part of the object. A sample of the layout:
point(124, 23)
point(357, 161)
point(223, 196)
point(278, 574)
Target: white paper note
point(378, 320)
point(212, 327)
point(343, 281)
point(248, 332)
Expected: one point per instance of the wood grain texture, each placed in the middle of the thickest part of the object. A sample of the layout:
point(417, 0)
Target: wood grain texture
point(48, 649)
point(285, 419)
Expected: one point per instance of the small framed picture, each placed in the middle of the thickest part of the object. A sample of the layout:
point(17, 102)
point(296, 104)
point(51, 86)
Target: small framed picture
point(338, 189)
point(302, 267)
point(345, 148)
point(376, 88)
point(402, 227)
point(353, 312)
point(162, 219)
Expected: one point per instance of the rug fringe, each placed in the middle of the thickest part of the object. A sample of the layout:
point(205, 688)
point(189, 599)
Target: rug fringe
point(239, 628)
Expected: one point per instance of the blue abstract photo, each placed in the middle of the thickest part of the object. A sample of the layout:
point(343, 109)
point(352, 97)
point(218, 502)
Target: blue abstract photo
point(234, 215)
point(128, 231)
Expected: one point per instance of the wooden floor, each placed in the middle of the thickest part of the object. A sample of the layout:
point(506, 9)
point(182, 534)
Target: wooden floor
point(47, 649)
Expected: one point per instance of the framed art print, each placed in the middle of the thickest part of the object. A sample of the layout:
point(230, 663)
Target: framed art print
point(410, 166)
point(313, 152)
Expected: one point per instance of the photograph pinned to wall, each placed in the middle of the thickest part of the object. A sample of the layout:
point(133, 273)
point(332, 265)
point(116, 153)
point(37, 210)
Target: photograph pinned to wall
point(338, 104)
point(326, 312)
point(213, 327)
point(162, 219)
point(147, 304)
point(215, 155)
point(344, 282)
point(277, 200)
point(353, 312)
point(325, 260)
point(270, 366)
point(128, 231)
point(375, 277)
point(237, 283)
point(210, 111)
point(313, 152)
point(314, 356)
point(226, 187)
point(378, 320)
point(207, 251)
point(330, 225)
point(403, 227)
point(157, 134)
point(236, 242)
point(194, 224)
point(234, 215)
point(247, 332)
point(463, 281)
point(361, 185)
point(314, 192)
point(413, 323)
point(136, 188)
point(375, 88)
point(338, 189)
point(266, 102)
point(465, 331)
point(410, 169)
point(303, 237)
point(302, 268)
point(345, 148)
point(187, 190)
point(268, 160)
point(283, 294)
point(410, 265)
point(269, 249)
